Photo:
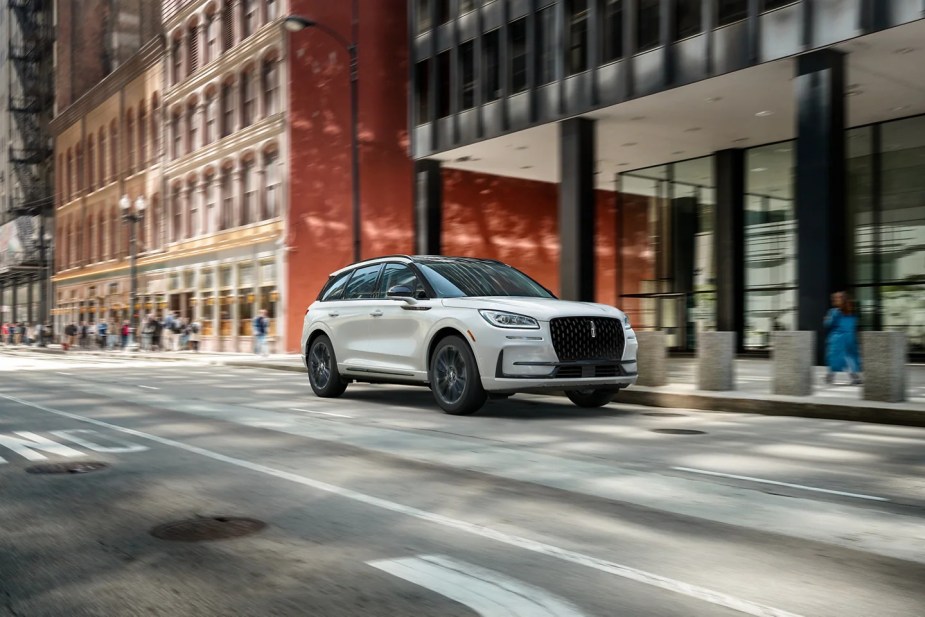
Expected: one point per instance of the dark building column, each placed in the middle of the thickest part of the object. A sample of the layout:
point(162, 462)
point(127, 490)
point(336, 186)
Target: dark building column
point(729, 243)
point(822, 262)
point(14, 315)
point(428, 206)
point(30, 317)
point(576, 209)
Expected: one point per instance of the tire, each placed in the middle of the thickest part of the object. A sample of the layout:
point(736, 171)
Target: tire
point(454, 377)
point(321, 364)
point(591, 398)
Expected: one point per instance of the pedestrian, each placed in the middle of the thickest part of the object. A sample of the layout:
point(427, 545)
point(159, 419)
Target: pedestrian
point(102, 329)
point(194, 335)
point(84, 333)
point(4, 332)
point(184, 334)
point(124, 334)
point(841, 342)
point(261, 327)
point(171, 327)
point(70, 331)
point(157, 335)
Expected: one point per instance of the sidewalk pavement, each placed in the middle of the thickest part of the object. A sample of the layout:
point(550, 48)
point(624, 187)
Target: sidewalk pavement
point(838, 401)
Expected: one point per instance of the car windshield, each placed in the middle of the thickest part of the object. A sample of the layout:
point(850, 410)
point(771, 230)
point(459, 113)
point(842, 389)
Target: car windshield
point(456, 279)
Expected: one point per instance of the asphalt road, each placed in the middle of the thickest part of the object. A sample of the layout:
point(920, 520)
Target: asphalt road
point(378, 504)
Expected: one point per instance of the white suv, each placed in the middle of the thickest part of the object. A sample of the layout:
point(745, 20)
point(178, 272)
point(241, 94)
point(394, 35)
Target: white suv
point(468, 328)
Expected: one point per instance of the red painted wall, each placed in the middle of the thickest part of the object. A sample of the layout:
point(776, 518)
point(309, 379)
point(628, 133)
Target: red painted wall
point(516, 221)
point(320, 219)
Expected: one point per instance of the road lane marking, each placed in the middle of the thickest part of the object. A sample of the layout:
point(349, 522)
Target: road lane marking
point(148, 387)
point(641, 576)
point(62, 373)
point(488, 592)
point(323, 413)
point(26, 444)
point(776, 483)
point(79, 436)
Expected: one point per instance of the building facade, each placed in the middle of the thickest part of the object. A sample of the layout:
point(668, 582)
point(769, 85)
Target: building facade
point(704, 164)
point(26, 90)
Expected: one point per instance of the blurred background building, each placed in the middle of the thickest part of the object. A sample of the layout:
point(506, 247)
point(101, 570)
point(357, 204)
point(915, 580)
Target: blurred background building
point(718, 164)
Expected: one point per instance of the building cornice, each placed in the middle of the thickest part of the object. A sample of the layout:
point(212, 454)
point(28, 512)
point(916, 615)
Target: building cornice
point(231, 146)
point(135, 66)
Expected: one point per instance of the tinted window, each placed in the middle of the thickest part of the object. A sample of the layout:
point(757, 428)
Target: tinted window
point(400, 274)
point(334, 290)
point(729, 11)
point(363, 283)
point(454, 279)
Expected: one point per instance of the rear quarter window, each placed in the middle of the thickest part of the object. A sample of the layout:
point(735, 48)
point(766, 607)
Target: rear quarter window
point(334, 290)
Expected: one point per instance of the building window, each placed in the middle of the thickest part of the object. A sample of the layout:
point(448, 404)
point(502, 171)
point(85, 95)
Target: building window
point(444, 100)
point(249, 194)
point(227, 25)
point(177, 61)
point(193, 213)
point(115, 230)
point(612, 30)
point(227, 109)
point(442, 10)
point(101, 166)
point(91, 179)
point(467, 74)
point(155, 128)
point(518, 54)
point(729, 11)
point(177, 207)
point(80, 168)
point(248, 98)
point(113, 150)
point(211, 50)
point(647, 25)
point(210, 206)
point(272, 8)
point(687, 18)
point(466, 5)
point(492, 65)
point(208, 134)
point(546, 30)
point(422, 91)
point(227, 197)
point(177, 136)
point(142, 135)
point(271, 87)
point(272, 191)
point(192, 123)
point(770, 5)
point(577, 33)
point(130, 140)
point(192, 39)
point(250, 18)
point(422, 15)
point(70, 176)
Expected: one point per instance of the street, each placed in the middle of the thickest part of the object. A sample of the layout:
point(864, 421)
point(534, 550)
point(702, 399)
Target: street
point(379, 504)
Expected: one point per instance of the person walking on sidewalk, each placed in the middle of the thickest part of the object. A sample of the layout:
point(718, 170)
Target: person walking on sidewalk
point(101, 331)
point(261, 327)
point(194, 336)
point(841, 342)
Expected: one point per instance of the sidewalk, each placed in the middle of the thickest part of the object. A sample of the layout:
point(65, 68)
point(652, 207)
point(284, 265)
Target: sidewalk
point(838, 401)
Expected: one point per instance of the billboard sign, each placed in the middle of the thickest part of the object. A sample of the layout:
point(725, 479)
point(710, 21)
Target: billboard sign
point(16, 241)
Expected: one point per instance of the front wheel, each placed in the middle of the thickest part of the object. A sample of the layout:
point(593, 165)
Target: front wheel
point(454, 377)
point(590, 398)
point(323, 375)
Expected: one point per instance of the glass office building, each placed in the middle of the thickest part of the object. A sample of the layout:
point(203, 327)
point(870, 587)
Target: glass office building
point(757, 155)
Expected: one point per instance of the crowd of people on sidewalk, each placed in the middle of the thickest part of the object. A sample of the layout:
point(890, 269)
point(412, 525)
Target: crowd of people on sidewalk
point(21, 333)
point(156, 333)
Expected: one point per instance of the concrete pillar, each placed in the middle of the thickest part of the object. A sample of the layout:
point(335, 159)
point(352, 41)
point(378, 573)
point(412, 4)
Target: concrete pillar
point(428, 206)
point(716, 361)
point(793, 355)
point(729, 242)
point(652, 358)
point(884, 365)
point(576, 209)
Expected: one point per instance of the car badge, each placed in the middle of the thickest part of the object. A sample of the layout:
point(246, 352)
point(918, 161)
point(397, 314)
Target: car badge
point(593, 330)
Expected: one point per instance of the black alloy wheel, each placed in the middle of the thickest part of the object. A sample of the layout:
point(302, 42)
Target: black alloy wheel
point(591, 398)
point(323, 376)
point(454, 377)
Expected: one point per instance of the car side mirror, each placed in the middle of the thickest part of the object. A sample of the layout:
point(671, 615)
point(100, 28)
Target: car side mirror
point(400, 291)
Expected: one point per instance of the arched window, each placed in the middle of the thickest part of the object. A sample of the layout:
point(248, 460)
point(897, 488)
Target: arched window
point(272, 9)
point(70, 175)
point(192, 125)
point(192, 46)
point(177, 207)
point(227, 196)
point(155, 216)
point(100, 237)
point(193, 213)
point(104, 177)
point(177, 134)
point(249, 26)
point(271, 190)
point(227, 25)
point(248, 193)
point(177, 51)
point(211, 119)
point(91, 180)
point(211, 50)
point(113, 150)
point(155, 126)
point(114, 231)
point(80, 168)
point(130, 141)
point(142, 135)
point(209, 216)
point(270, 87)
point(227, 109)
point(248, 98)
point(59, 180)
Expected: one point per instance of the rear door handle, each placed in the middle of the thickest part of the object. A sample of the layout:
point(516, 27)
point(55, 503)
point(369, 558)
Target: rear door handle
point(333, 314)
point(376, 313)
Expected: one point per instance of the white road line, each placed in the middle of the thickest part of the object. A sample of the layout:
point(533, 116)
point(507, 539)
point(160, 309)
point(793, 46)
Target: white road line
point(148, 387)
point(61, 373)
point(487, 592)
point(323, 413)
point(662, 582)
point(776, 483)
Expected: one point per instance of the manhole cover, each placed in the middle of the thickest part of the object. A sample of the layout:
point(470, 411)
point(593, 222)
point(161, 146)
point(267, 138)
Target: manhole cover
point(205, 528)
point(665, 414)
point(678, 431)
point(75, 467)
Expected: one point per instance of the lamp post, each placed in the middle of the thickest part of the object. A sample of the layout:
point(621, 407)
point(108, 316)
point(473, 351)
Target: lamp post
point(132, 216)
point(43, 239)
point(296, 23)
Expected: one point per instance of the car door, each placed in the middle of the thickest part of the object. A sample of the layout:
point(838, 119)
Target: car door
point(398, 329)
point(352, 318)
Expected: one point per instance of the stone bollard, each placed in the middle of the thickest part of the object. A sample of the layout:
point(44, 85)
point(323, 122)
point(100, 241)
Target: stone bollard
point(652, 358)
point(793, 356)
point(884, 366)
point(716, 361)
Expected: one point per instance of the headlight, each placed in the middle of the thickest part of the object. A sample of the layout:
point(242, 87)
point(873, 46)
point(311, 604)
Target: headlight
point(503, 319)
point(626, 322)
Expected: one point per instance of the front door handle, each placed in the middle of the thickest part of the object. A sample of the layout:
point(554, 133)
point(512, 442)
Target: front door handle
point(333, 314)
point(376, 313)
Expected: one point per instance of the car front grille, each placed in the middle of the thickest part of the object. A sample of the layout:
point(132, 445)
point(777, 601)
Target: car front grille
point(587, 338)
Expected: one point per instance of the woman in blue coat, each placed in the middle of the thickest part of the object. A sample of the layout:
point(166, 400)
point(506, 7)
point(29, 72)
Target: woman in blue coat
point(841, 343)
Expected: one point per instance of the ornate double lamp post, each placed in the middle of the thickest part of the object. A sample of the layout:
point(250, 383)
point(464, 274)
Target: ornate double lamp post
point(133, 215)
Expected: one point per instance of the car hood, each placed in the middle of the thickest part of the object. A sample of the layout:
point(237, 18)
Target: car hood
point(542, 309)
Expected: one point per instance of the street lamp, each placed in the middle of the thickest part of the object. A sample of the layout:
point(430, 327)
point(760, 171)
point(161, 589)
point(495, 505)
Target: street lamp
point(296, 23)
point(43, 238)
point(132, 216)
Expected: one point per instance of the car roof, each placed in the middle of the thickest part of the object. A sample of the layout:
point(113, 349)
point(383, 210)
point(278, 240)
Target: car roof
point(415, 259)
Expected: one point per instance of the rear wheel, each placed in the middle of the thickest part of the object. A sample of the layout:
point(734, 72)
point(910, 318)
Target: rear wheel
point(590, 398)
point(454, 377)
point(322, 369)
